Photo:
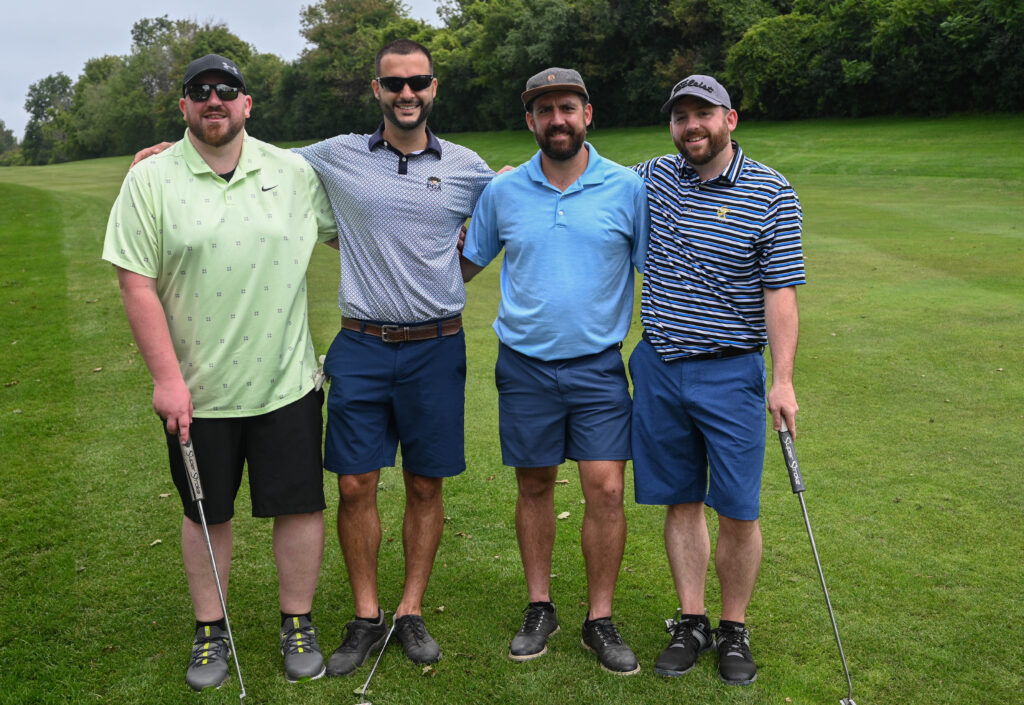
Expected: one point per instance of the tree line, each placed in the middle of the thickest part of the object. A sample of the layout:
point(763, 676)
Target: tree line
point(780, 59)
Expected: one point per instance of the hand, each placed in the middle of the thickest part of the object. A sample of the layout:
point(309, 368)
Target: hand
point(505, 168)
point(150, 151)
point(173, 403)
point(462, 239)
point(782, 405)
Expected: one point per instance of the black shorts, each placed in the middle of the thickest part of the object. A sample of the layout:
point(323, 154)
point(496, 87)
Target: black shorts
point(282, 449)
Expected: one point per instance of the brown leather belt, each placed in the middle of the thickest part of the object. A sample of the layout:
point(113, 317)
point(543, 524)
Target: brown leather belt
point(402, 334)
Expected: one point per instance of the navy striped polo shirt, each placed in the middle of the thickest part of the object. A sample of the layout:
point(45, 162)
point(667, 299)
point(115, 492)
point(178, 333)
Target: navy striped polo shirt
point(713, 246)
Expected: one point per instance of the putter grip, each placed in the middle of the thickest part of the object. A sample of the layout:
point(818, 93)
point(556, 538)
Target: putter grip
point(789, 454)
point(188, 456)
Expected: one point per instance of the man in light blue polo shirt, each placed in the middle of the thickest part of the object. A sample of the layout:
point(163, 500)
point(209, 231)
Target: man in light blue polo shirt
point(573, 226)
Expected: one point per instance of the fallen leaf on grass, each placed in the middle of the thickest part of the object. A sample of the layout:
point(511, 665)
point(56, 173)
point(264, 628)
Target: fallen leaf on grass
point(157, 542)
point(165, 495)
point(91, 301)
point(12, 383)
point(561, 482)
point(429, 671)
point(439, 608)
point(97, 369)
point(16, 411)
point(564, 515)
point(490, 477)
point(464, 534)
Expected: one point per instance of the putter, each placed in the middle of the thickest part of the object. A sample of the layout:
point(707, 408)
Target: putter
point(362, 692)
point(188, 455)
point(797, 481)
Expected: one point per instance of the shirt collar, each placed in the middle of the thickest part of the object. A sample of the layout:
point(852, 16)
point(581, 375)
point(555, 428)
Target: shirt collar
point(727, 177)
point(593, 174)
point(377, 139)
point(248, 159)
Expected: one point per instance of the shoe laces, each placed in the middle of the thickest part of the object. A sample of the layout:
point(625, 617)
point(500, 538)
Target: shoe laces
point(414, 629)
point(736, 641)
point(212, 648)
point(535, 616)
point(606, 633)
point(682, 631)
point(353, 631)
point(300, 640)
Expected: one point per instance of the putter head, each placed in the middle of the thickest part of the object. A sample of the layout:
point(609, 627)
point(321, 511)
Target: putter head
point(847, 701)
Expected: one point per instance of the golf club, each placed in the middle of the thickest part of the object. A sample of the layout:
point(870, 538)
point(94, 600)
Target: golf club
point(195, 487)
point(797, 482)
point(387, 638)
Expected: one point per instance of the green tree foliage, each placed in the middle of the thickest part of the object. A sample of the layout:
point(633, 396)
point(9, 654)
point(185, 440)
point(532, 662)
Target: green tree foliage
point(779, 59)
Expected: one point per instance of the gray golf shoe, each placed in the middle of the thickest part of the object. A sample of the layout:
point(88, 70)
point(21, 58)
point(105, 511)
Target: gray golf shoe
point(531, 641)
point(361, 638)
point(602, 637)
point(418, 645)
point(208, 667)
point(302, 658)
point(691, 636)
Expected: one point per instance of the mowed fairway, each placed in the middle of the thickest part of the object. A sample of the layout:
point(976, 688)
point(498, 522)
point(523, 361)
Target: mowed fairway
point(910, 377)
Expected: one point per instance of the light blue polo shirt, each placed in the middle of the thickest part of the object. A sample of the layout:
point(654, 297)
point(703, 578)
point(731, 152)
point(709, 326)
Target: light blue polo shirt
point(567, 276)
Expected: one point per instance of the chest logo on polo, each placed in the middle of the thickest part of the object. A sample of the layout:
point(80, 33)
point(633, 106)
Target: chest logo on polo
point(433, 183)
point(722, 212)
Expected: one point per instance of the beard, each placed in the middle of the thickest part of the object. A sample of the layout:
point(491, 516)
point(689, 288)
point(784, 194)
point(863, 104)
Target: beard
point(408, 123)
point(216, 134)
point(561, 154)
point(717, 141)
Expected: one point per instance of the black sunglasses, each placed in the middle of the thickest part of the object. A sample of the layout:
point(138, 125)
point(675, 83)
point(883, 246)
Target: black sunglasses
point(200, 92)
point(395, 83)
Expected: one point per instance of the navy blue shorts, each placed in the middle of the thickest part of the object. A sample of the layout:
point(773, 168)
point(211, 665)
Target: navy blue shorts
point(689, 416)
point(552, 410)
point(386, 394)
point(281, 448)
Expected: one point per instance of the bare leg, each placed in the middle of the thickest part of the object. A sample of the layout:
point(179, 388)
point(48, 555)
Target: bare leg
point(359, 536)
point(535, 528)
point(737, 560)
point(195, 555)
point(422, 527)
point(298, 550)
point(689, 551)
point(604, 531)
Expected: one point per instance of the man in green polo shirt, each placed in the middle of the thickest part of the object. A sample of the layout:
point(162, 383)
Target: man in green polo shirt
point(211, 240)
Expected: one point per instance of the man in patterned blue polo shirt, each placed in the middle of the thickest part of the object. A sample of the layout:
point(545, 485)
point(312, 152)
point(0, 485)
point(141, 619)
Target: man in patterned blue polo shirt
point(398, 366)
point(722, 266)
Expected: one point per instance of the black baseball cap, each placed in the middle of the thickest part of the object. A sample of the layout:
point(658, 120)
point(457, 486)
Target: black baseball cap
point(215, 62)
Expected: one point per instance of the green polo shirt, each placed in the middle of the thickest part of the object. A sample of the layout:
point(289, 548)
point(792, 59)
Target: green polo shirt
point(229, 260)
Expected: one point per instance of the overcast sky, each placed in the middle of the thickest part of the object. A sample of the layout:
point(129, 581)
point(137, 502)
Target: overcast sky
point(42, 37)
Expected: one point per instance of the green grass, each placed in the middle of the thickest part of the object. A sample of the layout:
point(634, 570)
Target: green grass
point(910, 382)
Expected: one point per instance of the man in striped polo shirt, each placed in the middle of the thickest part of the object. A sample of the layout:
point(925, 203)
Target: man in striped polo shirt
point(722, 266)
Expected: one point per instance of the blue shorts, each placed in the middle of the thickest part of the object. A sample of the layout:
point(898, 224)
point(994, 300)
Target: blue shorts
point(383, 394)
point(552, 410)
point(692, 415)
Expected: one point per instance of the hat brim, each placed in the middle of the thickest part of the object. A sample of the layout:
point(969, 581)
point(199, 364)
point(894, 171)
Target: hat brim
point(553, 88)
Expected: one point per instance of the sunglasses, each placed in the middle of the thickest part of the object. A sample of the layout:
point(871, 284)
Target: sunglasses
point(200, 92)
point(394, 84)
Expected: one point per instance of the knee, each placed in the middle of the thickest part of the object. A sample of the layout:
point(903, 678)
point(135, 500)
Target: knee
point(606, 496)
point(739, 529)
point(356, 489)
point(423, 490)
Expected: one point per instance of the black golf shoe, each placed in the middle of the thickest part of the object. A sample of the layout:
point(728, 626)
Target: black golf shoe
point(361, 638)
point(301, 650)
point(601, 637)
point(540, 622)
point(417, 644)
point(208, 666)
point(691, 636)
point(735, 663)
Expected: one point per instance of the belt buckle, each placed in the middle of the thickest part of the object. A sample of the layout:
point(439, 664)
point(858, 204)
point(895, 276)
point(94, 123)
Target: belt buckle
point(387, 331)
